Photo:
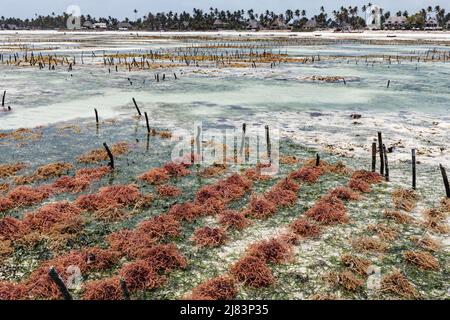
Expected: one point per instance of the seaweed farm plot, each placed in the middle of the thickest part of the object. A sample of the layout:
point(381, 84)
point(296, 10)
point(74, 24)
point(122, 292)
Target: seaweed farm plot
point(318, 229)
point(342, 196)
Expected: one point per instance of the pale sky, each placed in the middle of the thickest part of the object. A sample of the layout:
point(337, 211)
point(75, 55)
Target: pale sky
point(124, 8)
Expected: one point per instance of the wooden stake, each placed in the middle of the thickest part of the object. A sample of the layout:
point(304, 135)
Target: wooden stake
point(269, 151)
point(445, 178)
point(125, 292)
point(110, 155)
point(137, 107)
point(386, 163)
point(317, 160)
point(58, 281)
point(146, 120)
point(374, 156)
point(96, 116)
point(389, 83)
point(380, 147)
point(3, 99)
point(244, 129)
point(413, 159)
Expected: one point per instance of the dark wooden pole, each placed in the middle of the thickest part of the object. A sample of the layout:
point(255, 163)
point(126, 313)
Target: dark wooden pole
point(58, 281)
point(374, 156)
point(3, 99)
point(380, 147)
point(386, 163)
point(110, 155)
point(244, 130)
point(96, 116)
point(269, 151)
point(137, 107)
point(389, 84)
point(413, 159)
point(317, 160)
point(445, 178)
point(146, 121)
point(125, 292)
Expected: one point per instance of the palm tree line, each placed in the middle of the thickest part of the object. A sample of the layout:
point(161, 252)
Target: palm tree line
point(200, 19)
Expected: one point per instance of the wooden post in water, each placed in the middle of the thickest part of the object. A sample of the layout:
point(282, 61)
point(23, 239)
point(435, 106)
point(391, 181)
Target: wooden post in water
point(137, 107)
point(110, 155)
point(269, 151)
point(374, 156)
point(386, 163)
point(388, 84)
point(3, 99)
point(413, 164)
point(146, 121)
point(96, 116)
point(445, 178)
point(244, 130)
point(317, 160)
point(380, 147)
point(125, 292)
point(59, 283)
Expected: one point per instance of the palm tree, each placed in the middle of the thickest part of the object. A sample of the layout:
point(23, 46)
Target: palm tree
point(364, 9)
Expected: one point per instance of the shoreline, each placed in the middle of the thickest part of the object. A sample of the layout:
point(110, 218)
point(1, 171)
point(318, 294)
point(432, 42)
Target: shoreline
point(364, 35)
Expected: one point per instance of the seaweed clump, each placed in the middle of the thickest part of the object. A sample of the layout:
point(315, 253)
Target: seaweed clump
point(271, 251)
point(138, 275)
point(362, 180)
point(260, 208)
point(397, 216)
point(304, 228)
point(168, 191)
point(132, 243)
point(426, 243)
point(108, 203)
point(209, 237)
point(50, 216)
point(10, 228)
point(422, 260)
point(26, 196)
point(164, 257)
point(160, 227)
point(253, 271)
point(396, 283)
point(98, 155)
point(104, 289)
point(12, 291)
point(219, 288)
point(307, 174)
point(186, 211)
point(45, 172)
point(345, 279)
point(383, 231)
point(82, 179)
point(9, 170)
point(328, 210)
point(368, 244)
point(356, 264)
point(233, 219)
point(404, 199)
